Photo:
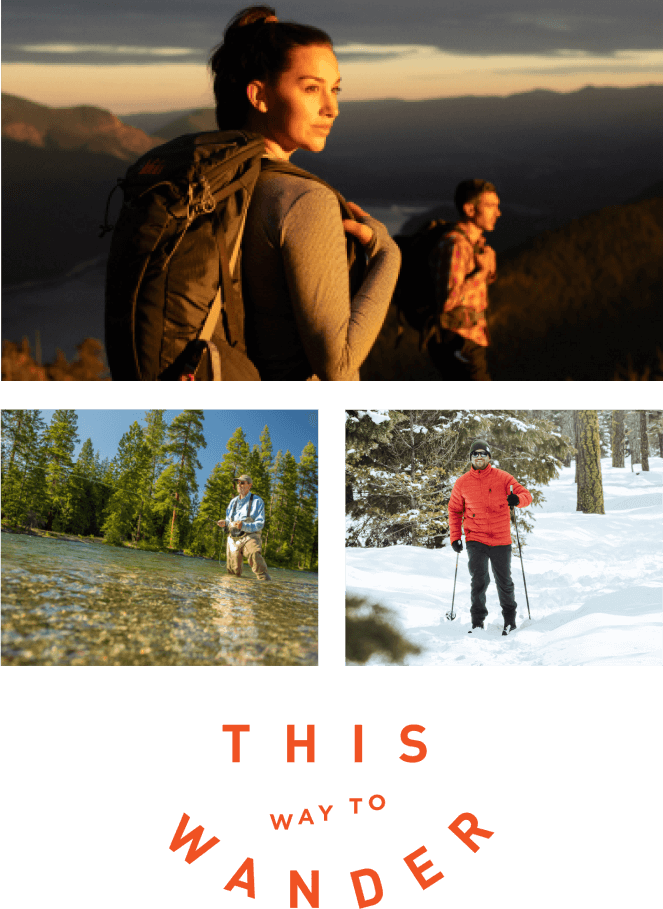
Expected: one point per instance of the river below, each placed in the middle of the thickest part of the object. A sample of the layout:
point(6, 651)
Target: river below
point(86, 604)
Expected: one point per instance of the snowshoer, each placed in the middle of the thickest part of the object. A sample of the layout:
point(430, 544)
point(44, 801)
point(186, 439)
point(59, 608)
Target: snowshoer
point(480, 505)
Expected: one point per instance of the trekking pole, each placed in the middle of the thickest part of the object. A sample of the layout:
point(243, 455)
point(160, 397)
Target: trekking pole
point(520, 552)
point(452, 615)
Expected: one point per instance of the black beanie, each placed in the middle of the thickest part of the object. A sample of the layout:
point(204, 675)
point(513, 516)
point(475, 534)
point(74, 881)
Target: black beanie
point(479, 444)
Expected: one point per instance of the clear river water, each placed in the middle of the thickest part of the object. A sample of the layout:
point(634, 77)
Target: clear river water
point(87, 604)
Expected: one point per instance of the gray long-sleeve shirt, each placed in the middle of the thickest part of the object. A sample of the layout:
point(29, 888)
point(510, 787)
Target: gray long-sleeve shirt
point(300, 319)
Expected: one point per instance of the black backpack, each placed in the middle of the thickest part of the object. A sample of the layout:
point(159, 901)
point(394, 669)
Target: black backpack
point(174, 308)
point(415, 296)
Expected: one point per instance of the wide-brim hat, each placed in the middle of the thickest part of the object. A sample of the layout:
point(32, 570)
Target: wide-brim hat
point(246, 477)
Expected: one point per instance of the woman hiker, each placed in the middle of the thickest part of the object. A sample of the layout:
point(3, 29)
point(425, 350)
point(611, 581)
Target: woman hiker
point(303, 321)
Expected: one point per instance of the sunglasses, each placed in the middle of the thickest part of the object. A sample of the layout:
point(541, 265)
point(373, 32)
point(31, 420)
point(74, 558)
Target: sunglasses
point(480, 454)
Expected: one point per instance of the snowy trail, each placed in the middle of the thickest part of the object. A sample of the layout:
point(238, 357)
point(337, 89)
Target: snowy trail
point(595, 584)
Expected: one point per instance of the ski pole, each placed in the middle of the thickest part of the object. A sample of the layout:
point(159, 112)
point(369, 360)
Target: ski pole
point(452, 615)
point(520, 552)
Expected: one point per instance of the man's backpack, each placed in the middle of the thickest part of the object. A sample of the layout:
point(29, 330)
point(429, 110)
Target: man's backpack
point(415, 296)
point(174, 307)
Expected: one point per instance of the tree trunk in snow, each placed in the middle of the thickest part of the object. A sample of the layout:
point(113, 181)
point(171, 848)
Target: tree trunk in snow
point(590, 484)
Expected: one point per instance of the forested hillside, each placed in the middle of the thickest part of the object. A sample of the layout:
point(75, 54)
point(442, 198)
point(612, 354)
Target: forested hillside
point(584, 301)
point(147, 494)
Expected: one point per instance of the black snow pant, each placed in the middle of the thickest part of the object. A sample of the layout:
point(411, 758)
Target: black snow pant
point(479, 554)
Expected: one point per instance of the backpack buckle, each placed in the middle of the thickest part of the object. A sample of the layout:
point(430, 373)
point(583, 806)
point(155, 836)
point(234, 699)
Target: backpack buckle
point(206, 203)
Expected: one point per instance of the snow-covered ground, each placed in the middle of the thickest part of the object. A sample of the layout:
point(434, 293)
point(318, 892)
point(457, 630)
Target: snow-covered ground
point(595, 584)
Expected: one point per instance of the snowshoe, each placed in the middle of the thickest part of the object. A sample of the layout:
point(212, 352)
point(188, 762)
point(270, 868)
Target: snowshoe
point(508, 628)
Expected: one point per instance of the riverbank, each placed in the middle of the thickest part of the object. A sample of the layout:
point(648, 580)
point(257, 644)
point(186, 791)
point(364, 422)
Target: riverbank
point(126, 544)
point(79, 538)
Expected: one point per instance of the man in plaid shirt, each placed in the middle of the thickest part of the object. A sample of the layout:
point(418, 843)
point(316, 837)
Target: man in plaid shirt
point(463, 265)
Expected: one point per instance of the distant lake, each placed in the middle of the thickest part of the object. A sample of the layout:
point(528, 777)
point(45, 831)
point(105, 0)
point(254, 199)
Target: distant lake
point(394, 216)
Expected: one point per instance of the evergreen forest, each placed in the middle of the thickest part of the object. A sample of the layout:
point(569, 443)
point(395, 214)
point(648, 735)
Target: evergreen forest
point(147, 495)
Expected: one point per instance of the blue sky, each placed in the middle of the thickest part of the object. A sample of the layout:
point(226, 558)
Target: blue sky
point(142, 55)
point(290, 430)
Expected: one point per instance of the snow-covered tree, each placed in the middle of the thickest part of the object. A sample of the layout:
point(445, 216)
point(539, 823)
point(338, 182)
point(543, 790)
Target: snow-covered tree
point(402, 484)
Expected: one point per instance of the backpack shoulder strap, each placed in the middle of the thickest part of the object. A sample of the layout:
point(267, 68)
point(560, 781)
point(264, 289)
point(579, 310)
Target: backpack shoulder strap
point(355, 251)
point(271, 165)
point(224, 292)
point(458, 229)
point(223, 297)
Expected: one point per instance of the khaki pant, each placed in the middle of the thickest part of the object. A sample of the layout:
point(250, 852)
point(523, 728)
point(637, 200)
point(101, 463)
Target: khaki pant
point(249, 545)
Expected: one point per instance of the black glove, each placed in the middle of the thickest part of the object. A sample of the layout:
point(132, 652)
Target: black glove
point(457, 545)
point(512, 499)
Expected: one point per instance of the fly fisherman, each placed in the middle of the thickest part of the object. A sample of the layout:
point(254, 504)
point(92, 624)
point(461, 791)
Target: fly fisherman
point(480, 504)
point(245, 517)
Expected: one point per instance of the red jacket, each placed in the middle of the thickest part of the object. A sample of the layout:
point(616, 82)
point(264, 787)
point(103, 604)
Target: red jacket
point(478, 505)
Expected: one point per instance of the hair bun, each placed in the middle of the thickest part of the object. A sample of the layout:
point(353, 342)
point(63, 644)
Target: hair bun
point(243, 28)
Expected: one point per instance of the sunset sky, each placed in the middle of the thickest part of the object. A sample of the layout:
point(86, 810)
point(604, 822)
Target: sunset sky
point(148, 56)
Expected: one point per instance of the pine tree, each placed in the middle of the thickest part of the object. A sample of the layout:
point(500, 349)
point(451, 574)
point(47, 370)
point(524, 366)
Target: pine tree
point(81, 491)
point(132, 463)
point(644, 441)
point(283, 511)
point(305, 525)
point(633, 436)
point(22, 468)
point(60, 441)
point(178, 481)
point(618, 438)
point(155, 434)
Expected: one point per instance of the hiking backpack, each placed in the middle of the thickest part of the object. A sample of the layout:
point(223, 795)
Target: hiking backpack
point(415, 296)
point(174, 307)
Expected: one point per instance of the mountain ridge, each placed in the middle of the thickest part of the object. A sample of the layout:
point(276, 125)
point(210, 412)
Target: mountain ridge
point(84, 127)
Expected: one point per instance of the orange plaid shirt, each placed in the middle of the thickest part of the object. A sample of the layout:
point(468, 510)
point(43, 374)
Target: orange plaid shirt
point(462, 294)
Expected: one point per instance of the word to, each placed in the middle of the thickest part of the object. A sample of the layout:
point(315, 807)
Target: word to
point(376, 802)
